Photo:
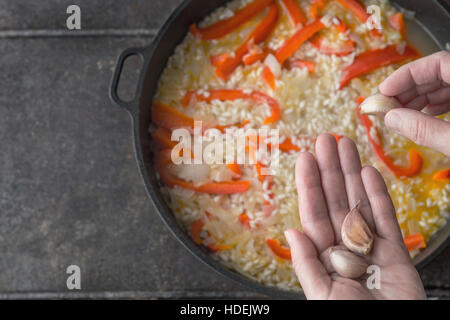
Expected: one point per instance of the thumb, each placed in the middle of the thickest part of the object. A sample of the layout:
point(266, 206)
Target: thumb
point(420, 128)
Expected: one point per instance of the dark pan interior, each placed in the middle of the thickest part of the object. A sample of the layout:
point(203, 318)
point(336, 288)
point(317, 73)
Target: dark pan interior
point(430, 14)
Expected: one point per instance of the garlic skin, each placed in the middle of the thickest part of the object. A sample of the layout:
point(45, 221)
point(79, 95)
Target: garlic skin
point(356, 234)
point(348, 264)
point(378, 104)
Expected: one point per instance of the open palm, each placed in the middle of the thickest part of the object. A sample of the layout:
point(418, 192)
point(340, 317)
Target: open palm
point(327, 188)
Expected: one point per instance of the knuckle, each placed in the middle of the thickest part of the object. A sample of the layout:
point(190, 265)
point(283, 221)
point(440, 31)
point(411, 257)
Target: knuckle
point(419, 131)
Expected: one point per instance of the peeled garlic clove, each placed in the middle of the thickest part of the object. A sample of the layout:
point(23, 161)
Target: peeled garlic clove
point(348, 264)
point(378, 104)
point(355, 233)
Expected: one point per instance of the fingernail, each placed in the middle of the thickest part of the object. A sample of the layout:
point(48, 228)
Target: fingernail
point(393, 121)
point(287, 234)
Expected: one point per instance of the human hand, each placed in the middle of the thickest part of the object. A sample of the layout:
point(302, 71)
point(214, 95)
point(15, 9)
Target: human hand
point(327, 188)
point(421, 85)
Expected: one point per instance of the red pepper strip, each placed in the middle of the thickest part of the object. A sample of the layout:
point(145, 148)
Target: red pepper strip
point(235, 169)
point(196, 228)
point(252, 147)
point(356, 7)
point(163, 138)
point(234, 94)
point(227, 66)
point(396, 21)
point(226, 26)
point(279, 250)
point(225, 127)
point(268, 77)
point(294, 11)
point(217, 60)
point(346, 48)
point(163, 159)
point(360, 12)
point(297, 39)
point(167, 117)
point(301, 64)
point(244, 220)
point(251, 58)
point(415, 158)
point(287, 146)
point(170, 118)
point(442, 175)
point(415, 242)
point(315, 8)
point(374, 59)
point(337, 136)
point(214, 247)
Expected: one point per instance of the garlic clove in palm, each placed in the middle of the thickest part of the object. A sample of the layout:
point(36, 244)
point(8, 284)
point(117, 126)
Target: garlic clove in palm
point(356, 234)
point(378, 104)
point(347, 264)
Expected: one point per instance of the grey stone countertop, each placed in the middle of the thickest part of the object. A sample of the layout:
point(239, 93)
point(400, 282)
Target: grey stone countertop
point(70, 191)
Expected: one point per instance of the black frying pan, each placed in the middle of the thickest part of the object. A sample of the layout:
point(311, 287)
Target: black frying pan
point(432, 15)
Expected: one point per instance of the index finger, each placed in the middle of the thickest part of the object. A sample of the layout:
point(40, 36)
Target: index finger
point(423, 71)
point(311, 202)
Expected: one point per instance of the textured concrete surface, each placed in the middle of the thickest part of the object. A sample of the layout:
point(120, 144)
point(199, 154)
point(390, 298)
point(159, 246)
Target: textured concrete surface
point(70, 192)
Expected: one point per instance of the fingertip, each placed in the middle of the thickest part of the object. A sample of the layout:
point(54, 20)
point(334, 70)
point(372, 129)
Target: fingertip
point(345, 143)
point(304, 159)
point(383, 88)
point(306, 171)
point(324, 139)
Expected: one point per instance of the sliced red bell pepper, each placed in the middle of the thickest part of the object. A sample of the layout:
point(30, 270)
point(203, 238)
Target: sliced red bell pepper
point(217, 60)
point(268, 77)
point(315, 8)
point(244, 220)
point(360, 12)
point(252, 57)
point(235, 169)
point(337, 136)
point(442, 175)
point(233, 94)
point(287, 146)
point(196, 228)
point(343, 49)
point(396, 22)
point(226, 26)
point(297, 39)
point(294, 11)
point(252, 147)
point(415, 242)
point(375, 59)
point(163, 138)
point(167, 117)
point(163, 159)
point(224, 67)
point(415, 158)
point(356, 7)
point(310, 65)
point(278, 249)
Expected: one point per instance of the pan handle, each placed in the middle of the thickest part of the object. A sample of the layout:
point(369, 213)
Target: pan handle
point(131, 106)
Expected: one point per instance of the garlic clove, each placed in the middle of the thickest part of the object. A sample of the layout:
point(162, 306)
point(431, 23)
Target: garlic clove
point(378, 104)
point(348, 264)
point(356, 234)
point(325, 257)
